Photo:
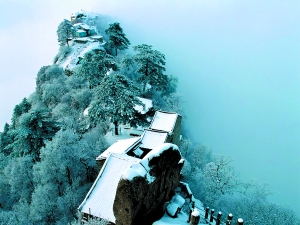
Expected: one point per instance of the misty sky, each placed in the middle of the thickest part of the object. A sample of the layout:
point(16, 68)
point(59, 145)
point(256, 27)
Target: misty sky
point(237, 64)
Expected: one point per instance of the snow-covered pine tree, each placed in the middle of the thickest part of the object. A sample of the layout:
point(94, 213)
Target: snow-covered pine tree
point(64, 31)
point(95, 65)
point(116, 100)
point(117, 38)
point(151, 65)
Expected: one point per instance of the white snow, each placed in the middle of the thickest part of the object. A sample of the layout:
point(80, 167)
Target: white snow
point(142, 168)
point(100, 198)
point(181, 219)
point(144, 109)
point(164, 121)
point(172, 209)
point(156, 152)
point(177, 199)
point(120, 146)
point(86, 112)
point(196, 212)
point(78, 50)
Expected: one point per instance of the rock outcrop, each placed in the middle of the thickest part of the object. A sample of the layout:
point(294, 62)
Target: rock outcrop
point(147, 185)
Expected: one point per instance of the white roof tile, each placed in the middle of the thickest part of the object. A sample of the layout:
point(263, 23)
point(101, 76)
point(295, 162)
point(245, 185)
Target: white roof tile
point(152, 139)
point(100, 199)
point(163, 121)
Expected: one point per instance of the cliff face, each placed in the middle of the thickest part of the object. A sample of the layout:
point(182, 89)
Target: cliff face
point(140, 198)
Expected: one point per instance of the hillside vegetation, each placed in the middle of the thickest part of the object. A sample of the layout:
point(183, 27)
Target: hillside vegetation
point(48, 150)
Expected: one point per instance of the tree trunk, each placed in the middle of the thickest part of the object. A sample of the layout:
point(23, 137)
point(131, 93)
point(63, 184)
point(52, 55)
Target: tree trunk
point(116, 128)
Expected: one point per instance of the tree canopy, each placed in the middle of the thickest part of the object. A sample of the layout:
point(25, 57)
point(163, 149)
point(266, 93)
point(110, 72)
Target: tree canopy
point(116, 98)
point(64, 31)
point(36, 127)
point(117, 38)
point(151, 65)
point(95, 65)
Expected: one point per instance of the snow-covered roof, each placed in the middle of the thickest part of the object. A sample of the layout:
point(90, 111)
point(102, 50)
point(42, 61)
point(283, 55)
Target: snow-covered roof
point(151, 139)
point(144, 109)
point(76, 25)
point(120, 146)
point(80, 31)
point(164, 121)
point(84, 26)
point(100, 198)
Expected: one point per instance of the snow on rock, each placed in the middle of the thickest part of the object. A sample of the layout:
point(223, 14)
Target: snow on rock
point(196, 212)
point(181, 219)
point(77, 51)
point(142, 168)
point(86, 112)
point(157, 152)
point(136, 170)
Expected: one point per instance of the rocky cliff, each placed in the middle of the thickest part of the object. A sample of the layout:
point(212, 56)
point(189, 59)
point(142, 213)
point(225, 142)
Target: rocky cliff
point(145, 186)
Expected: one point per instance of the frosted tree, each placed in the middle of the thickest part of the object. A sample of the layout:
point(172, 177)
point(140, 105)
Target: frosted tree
point(151, 66)
point(53, 91)
point(6, 138)
point(62, 177)
point(172, 85)
point(201, 156)
point(95, 65)
point(20, 109)
point(185, 147)
point(36, 127)
point(173, 103)
point(219, 178)
point(5, 202)
point(46, 74)
point(116, 98)
point(19, 174)
point(69, 111)
point(117, 39)
point(127, 67)
point(64, 31)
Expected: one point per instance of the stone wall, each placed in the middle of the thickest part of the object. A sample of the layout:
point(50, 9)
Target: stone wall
point(140, 201)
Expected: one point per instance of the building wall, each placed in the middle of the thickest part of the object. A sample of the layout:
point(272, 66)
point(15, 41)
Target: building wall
point(176, 131)
point(174, 138)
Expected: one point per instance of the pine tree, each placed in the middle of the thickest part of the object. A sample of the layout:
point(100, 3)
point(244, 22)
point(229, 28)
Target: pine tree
point(36, 127)
point(117, 39)
point(6, 138)
point(64, 31)
point(116, 100)
point(151, 65)
point(95, 65)
point(20, 109)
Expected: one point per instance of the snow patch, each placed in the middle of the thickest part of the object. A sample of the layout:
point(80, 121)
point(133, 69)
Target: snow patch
point(196, 212)
point(144, 109)
point(142, 168)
